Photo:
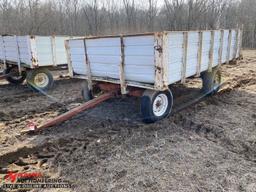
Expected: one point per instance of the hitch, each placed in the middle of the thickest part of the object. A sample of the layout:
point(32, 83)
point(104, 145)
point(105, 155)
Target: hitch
point(32, 127)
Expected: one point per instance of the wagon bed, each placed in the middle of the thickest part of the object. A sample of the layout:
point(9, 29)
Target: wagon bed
point(151, 60)
point(33, 51)
point(31, 57)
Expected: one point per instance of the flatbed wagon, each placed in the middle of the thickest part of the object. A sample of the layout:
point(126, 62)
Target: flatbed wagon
point(146, 65)
point(32, 58)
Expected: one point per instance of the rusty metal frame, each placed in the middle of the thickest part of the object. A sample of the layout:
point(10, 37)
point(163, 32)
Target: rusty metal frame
point(117, 81)
point(68, 115)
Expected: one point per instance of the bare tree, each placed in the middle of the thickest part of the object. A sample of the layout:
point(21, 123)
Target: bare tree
point(94, 17)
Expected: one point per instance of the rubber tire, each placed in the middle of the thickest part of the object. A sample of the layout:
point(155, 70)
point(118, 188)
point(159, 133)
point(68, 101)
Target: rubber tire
point(210, 81)
point(10, 79)
point(86, 93)
point(31, 76)
point(147, 101)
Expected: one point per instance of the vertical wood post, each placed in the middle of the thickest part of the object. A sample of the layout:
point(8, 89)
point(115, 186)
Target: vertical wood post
point(121, 66)
point(184, 57)
point(229, 46)
point(18, 54)
point(88, 66)
point(240, 41)
point(165, 61)
point(53, 49)
point(159, 68)
point(4, 52)
point(211, 51)
point(70, 68)
point(199, 53)
point(33, 51)
point(220, 48)
point(236, 44)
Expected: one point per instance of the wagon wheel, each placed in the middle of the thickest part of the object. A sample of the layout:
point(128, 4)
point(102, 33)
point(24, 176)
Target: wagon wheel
point(15, 77)
point(86, 92)
point(40, 79)
point(156, 105)
point(211, 81)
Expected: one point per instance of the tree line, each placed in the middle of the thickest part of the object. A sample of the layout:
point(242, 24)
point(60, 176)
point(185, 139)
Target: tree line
point(105, 17)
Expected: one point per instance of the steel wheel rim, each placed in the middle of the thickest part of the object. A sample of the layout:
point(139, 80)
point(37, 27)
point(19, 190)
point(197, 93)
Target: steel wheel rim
point(160, 105)
point(41, 80)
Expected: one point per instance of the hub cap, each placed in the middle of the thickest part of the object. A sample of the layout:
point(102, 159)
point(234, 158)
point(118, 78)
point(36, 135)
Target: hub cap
point(41, 80)
point(160, 105)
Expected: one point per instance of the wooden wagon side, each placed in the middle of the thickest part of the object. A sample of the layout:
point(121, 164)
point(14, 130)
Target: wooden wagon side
point(170, 56)
point(32, 58)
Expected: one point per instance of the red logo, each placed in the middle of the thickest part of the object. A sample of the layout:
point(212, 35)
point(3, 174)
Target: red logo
point(13, 177)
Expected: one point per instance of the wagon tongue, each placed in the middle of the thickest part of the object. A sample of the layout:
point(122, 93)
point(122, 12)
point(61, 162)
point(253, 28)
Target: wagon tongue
point(32, 127)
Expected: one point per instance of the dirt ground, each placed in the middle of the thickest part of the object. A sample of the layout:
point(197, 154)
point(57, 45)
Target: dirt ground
point(210, 146)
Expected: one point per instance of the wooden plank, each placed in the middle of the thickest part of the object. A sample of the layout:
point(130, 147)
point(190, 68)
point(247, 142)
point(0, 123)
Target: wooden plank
point(121, 67)
point(4, 52)
point(184, 57)
point(18, 55)
point(88, 66)
point(241, 41)
point(220, 48)
point(199, 53)
point(229, 46)
point(165, 60)
point(158, 53)
point(236, 44)
point(70, 68)
point(211, 51)
point(53, 49)
point(33, 52)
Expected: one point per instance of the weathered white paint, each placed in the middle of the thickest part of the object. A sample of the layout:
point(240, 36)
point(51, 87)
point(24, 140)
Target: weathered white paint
point(33, 51)
point(140, 60)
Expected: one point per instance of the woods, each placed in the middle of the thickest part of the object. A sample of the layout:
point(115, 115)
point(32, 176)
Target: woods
point(103, 17)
